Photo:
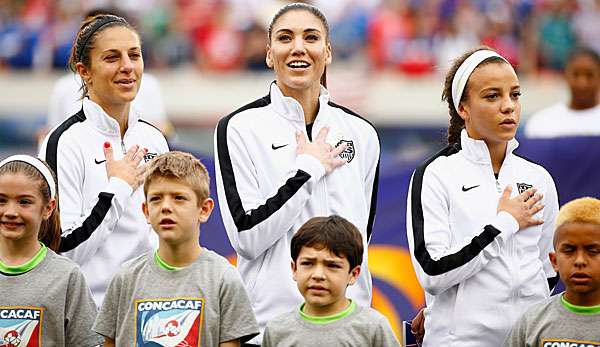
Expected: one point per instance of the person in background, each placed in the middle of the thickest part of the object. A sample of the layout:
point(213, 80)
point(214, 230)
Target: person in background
point(580, 116)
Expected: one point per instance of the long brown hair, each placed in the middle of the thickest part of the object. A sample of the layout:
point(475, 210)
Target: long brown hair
point(298, 6)
point(49, 233)
point(456, 121)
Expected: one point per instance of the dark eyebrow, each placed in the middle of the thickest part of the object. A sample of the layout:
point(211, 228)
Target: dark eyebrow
point(285, 30)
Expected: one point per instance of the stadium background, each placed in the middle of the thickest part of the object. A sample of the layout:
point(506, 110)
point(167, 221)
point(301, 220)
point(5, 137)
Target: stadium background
point(389, 61)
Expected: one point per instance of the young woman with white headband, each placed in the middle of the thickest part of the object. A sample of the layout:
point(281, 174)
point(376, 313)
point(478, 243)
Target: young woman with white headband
point(480, 218)
point(44, 299)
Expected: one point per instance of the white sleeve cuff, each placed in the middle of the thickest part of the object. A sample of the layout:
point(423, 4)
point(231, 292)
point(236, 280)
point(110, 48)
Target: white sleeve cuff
point(506, 223)
point(119, 188)
point(311, 166)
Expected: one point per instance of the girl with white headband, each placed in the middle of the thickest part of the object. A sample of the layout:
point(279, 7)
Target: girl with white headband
point(44, 299)
point(480, 218)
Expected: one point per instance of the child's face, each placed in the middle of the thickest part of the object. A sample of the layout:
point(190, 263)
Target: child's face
point(577, 257)
point(22, 208)
point(322, 278)
point(172, 208)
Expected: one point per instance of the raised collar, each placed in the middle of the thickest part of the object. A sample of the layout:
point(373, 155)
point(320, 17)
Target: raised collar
point(105, 123)
point(291, 109)
point(477, 151)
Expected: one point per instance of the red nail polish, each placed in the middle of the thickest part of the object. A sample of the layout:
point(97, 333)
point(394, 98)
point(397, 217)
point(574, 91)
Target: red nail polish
point(145, 150)
point(106, 144)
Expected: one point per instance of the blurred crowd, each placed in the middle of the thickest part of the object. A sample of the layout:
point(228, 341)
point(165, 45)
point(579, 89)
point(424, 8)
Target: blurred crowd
point(409, 36)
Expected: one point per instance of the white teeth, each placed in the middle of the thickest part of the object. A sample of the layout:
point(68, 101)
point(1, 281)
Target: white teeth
point(299, 64)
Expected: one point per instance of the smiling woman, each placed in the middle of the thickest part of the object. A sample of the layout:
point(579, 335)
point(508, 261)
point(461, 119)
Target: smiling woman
point(103, 224)
point(290, 156)
point(480, 218)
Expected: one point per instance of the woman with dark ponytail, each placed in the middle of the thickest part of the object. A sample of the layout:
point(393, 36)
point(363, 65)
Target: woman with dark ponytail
point(290, 156)
point(100, 210)
point(44, 298)
point(480, 219)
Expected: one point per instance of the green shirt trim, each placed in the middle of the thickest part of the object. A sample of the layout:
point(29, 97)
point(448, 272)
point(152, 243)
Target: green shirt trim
point(328, 319)
point(579, 309)
point(163, 264)
point(25, 267)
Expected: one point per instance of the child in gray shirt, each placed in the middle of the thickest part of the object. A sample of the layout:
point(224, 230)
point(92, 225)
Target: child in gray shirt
point(326, 257)
point(571, 318)
point(182, 294)
point(44, 299)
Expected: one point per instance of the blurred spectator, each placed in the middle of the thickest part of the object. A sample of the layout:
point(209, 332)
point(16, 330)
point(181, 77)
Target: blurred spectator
point(586, 23)
point(390, 28)
point(408, 36)
point(254, 50)
point(556, 34)
point(581, 115)
point(218, 44)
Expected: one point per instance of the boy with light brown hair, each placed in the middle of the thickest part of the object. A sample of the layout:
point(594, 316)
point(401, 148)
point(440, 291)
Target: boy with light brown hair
point(181, 294)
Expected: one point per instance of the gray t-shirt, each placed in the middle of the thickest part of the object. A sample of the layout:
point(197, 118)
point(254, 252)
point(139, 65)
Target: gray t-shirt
point(550, 324)
point(364, 327)
point(205, 301)
point(50, 305)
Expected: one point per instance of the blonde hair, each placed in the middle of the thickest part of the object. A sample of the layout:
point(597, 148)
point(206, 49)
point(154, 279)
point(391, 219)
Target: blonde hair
point(182, 166)
point(583, 210)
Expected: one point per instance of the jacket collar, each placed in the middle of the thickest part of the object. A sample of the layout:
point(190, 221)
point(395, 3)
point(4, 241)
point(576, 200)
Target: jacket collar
point(105, 123)
point(477, 151)
point(291, 109)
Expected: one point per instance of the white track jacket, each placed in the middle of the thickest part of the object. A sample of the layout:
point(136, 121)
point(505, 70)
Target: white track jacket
point(102, 220)
point(266, 191)
point(479, 272)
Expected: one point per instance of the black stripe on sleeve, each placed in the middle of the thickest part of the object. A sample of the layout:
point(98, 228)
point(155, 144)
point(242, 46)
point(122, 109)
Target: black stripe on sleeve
point(373, 205)
point(79, 235)
point(76, 236)
point(245, 221)
point(52, 145)
point(452, 261)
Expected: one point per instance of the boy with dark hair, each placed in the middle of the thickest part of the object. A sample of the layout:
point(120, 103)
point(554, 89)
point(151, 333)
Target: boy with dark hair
point(326, 256)
point(182, 294)
point(573, 317)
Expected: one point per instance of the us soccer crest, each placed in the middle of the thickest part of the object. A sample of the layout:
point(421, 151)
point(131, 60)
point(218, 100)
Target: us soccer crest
point(168, 322)
point(147, 158)
point(20, 326)
point(348, 153)
point(523, 187)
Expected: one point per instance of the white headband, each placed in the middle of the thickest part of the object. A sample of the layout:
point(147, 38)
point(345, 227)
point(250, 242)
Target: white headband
point(36, 163)
point(466, 69)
